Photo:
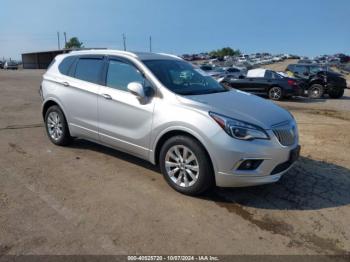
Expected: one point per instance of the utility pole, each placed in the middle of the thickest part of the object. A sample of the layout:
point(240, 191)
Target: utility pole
point(65, 39)
point(58, 40)
point(150, 44)
point(124, 41)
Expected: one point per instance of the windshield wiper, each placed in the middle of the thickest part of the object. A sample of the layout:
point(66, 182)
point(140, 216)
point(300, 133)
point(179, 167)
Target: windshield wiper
point(205, 92)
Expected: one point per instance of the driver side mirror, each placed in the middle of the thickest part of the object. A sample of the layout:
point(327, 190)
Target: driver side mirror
point(137, 90)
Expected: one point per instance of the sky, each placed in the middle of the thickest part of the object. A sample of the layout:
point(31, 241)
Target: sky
point(303, 27)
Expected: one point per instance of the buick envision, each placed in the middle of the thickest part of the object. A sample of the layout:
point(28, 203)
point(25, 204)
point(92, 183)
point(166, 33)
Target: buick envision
point(162, 109)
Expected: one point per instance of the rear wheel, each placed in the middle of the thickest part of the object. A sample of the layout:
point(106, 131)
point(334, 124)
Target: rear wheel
point(275, 93)
point(336, 93)
point(186, 166)
point(316, 91)
point(57, 127)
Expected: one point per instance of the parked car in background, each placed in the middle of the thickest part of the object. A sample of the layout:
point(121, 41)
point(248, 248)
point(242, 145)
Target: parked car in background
point(1, 65)
point(206, 68)
point(162, 109)
point(320, 79)
point(267, 82)
point(226, 72)
point(305, 61)
point(10, 65)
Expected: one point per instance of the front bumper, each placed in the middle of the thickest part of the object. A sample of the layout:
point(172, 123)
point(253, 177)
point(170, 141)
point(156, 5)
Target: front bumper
point(228, 152)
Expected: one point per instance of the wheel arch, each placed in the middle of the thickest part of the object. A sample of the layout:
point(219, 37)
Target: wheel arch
point(51, 102)
point(162, 138)
point(317, 82)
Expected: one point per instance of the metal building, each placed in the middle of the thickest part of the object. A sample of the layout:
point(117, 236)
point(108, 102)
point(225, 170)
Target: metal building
point(41, 60)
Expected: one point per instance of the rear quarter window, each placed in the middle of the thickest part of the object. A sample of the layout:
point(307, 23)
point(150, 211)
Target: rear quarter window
point(66, 64)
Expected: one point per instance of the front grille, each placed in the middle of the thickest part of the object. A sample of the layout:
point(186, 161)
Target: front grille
point(285, 134)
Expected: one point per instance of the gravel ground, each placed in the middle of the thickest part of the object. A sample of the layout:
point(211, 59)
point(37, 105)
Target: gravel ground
point(88, 199)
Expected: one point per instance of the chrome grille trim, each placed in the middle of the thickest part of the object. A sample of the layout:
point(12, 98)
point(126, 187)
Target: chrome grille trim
point(286, 134)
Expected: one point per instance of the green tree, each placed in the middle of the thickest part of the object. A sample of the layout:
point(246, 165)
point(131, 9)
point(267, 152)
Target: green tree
point(74, 43)
point(226, 51)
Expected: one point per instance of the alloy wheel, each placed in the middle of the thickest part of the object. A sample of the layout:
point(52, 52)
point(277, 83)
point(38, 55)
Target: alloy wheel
point(315, 92)
point(275, 93)
point(54, 125)
point(182, 166)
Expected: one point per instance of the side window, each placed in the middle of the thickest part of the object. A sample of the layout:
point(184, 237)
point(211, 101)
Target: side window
point(301, 69)
point(268, 74)
point(66, 64)
point(232, 70)
point(89, 69)
point(120, 74)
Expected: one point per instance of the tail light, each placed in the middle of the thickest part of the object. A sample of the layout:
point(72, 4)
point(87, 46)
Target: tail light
point(292, 83)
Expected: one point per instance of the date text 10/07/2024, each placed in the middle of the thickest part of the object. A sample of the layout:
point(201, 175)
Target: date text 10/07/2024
point(173, 258)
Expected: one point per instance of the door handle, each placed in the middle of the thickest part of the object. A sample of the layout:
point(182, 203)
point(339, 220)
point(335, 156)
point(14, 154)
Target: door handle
point(65, 83)
point(106, 96)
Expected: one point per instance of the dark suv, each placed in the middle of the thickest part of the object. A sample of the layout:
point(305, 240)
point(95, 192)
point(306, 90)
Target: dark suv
point(320, 79)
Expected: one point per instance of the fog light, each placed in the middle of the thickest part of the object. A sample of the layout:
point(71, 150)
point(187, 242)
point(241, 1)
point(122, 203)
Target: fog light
point(249, 164)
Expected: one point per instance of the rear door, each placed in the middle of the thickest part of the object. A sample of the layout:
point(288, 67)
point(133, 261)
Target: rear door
point(255, 85)
point(124, 121)
point(79, 95)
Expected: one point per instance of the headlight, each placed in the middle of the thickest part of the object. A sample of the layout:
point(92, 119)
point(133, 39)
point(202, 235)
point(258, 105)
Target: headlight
point(239, 129)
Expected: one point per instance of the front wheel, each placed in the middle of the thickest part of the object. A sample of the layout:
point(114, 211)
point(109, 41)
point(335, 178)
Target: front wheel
point(186, 166)
point(275, 93)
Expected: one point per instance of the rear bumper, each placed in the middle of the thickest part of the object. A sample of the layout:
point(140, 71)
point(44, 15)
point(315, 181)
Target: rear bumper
point(300, 90)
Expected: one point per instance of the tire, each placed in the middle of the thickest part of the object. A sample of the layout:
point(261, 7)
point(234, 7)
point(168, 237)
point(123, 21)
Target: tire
point(336, 93)
point(192, 179)
point(57, 127)
point(316, 91)
point(275, 93)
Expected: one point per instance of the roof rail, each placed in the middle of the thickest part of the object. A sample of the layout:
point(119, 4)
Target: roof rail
point(174, 56)
point(104, 50)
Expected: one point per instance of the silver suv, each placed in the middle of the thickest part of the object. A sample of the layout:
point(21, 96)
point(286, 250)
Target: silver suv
point(162, 109)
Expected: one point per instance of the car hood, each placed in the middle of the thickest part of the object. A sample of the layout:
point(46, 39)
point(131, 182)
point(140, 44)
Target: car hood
point(333, 74)
point(242, 106)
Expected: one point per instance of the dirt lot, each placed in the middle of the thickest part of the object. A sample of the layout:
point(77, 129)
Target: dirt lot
point(87, 199)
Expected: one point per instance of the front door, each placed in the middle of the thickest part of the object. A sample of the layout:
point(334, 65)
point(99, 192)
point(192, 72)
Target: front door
point(124, 121)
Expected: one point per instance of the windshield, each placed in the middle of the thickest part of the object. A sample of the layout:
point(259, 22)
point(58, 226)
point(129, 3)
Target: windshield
point(182, 78)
